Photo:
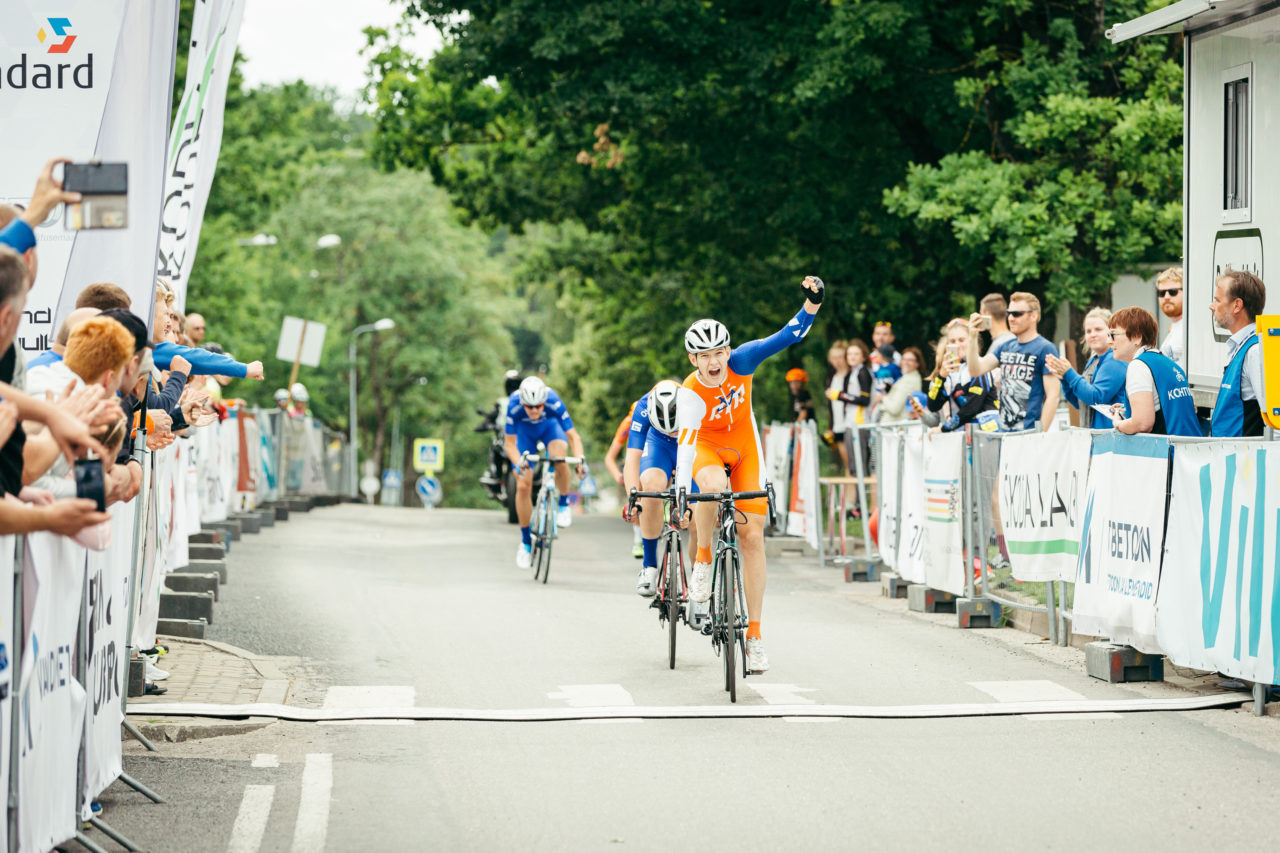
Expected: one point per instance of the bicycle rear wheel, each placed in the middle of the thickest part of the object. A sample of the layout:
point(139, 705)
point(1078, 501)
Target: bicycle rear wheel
point(728, 613)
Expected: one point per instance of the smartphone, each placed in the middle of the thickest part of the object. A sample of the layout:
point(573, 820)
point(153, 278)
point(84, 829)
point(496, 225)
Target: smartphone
point(90, 482)
point(984, 322)
point(105, 191)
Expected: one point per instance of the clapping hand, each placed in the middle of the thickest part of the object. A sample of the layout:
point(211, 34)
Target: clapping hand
point(1057, 366)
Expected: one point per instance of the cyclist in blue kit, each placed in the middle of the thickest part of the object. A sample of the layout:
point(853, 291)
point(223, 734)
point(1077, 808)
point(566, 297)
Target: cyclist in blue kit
point(536, 414)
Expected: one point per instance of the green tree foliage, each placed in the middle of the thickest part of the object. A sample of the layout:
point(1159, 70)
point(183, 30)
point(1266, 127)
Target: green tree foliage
point(912, 152)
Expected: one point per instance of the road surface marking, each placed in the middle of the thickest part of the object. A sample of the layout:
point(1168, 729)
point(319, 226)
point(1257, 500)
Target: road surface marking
point(593, 695)
point(313, 808)
point(787, 694)
point(251, 820)
point(1037, 691)
point(390, 696)
point(265, 759)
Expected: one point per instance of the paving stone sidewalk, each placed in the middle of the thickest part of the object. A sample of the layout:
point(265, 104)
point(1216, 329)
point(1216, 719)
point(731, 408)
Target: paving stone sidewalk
point(207, 671)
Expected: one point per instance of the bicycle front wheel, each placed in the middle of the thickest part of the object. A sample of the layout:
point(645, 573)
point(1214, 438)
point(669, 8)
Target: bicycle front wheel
point(671, 590)
point(548, 535)
point(539, 528)
point(728, 612)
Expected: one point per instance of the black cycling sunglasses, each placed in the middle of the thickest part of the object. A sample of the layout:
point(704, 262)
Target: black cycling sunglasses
point(1172, 291)
point(1016, 313)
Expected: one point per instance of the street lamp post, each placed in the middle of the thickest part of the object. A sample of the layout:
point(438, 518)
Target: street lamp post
point(381, 326)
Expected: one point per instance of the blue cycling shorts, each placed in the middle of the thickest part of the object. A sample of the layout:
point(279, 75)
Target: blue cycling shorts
point(660, 453)
point(546, 431)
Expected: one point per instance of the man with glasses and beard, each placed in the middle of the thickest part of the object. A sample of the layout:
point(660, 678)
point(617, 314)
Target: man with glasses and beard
point(1169, 293)
point(1029, 392)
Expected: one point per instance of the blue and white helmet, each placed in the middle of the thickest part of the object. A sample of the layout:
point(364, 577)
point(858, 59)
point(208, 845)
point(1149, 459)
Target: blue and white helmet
point(706, 335)
point(533, 391)
point(662, 406)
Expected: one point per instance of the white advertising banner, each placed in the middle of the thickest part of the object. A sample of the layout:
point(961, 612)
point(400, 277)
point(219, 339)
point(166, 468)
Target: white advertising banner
point(1123, 530)
point(50, 697)
point(887, 483)
point(107, 616)
point(1042, 492)
point(210, 494)
point(55, 72)
point(806, 502)
point(196, 139)
point(1218, 607)
point(135, 125)
point(911, 541)
point(943, 519)
point(777, 460)
point(151, 573)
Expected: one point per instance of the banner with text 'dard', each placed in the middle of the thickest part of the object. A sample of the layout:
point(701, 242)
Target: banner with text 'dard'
point(1219, 606)
point(1118, 569)
point(1042, 494)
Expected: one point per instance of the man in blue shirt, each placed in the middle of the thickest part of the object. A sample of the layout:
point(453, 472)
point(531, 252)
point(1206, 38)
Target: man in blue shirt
point(1029, 392)
point(535, 414)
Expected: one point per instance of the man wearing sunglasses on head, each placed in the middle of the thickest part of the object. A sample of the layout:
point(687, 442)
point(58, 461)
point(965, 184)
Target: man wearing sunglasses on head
point(1169, 293)
point(1029, 392)
point(535, 414)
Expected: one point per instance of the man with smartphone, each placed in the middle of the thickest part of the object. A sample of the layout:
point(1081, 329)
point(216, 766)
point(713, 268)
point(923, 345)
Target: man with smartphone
point(1029, 392)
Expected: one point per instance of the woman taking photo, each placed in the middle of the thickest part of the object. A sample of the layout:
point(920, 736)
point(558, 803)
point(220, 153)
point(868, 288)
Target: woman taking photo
point(855, 397)
point(1158, 398)
point(1102, 381)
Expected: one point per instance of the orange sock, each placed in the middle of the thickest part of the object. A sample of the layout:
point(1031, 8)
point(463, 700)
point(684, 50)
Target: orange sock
point(753, 631)
point(704, 555)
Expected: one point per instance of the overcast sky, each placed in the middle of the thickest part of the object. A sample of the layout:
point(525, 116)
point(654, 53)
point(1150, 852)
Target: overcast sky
point(316, 40)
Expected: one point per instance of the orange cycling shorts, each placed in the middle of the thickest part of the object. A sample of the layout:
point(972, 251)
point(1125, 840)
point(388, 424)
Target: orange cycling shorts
point(744, 470)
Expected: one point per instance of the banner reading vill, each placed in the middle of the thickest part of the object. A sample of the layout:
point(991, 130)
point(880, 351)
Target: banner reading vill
point(1218, 607)
point(1042, 492)
point(196, 139)
point(1120, 547)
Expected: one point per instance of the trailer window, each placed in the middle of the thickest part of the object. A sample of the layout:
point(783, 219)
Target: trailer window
point(1237, 139)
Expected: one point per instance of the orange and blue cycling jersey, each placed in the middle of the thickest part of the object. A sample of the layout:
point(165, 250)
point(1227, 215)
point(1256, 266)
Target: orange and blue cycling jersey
point(622, 433)
point(721, 428)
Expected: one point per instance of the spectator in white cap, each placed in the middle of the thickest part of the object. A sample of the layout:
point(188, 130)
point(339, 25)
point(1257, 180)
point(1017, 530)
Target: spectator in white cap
point(282, 398)
point(300, 400)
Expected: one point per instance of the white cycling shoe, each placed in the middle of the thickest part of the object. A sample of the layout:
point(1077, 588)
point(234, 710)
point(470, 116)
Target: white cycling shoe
point(647, 582)
point(524, 556)
point(700, 583)
point(757, 660)
point(564, 516)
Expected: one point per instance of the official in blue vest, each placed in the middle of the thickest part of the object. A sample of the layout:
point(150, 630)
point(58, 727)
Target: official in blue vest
point(1238, 298)
point(1158, 398)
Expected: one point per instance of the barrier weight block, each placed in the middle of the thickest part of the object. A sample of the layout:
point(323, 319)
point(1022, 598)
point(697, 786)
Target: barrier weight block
point(1120, 664)
point(137, 677)
point(298, 504)
point(206, 537)
point(191, 629)
point(892, 586)
point(859, 569)
point(186, 605)
point(249, 522)
point(977, 613)
point(266, 517)
point(282, 513)
point(206, 552)
point(230, 528)
point(924, 599)
point(217, 567)
point(192, 582)
point(788, 546)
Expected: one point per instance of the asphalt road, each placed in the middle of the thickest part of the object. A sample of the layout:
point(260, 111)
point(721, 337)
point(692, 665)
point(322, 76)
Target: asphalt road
point(379, 607)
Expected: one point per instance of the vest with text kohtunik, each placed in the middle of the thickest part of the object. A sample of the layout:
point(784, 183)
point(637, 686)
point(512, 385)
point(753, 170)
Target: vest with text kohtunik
point(1234, 416)
point(1177, 415)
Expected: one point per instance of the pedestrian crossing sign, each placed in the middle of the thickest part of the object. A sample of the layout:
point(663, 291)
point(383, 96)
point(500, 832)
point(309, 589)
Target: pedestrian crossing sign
point(428, 454)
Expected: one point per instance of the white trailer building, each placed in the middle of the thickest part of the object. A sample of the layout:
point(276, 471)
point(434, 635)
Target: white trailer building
point(1231, 157)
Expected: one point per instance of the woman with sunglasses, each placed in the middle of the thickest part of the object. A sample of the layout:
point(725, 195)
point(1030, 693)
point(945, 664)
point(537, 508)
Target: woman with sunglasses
point(1102, 381)
point(1158, 398)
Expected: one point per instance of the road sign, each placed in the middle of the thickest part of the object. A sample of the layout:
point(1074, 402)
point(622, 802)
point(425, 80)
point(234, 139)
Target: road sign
point(429, 491)
point(370, 486)
point(392, 479)
point(428, 454)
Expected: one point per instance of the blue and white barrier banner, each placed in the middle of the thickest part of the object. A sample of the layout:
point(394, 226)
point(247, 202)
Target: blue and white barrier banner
point(1219, 608)
point(806, 503)
point(1042, 497)
point(51, 700)
point(902, 540)
point(211, 494)
point(887, 480)
point(943, 512)
point(8, 666)
point(1120, 548)
point(777, 439)
point(106, 617)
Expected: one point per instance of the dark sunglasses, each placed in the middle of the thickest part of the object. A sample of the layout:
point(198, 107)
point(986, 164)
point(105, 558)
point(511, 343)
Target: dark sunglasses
point(539, 406)
point(1016, 313)
point(1172, 291)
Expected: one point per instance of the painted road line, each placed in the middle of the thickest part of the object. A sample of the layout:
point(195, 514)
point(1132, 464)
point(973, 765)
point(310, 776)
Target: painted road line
point(387, 696)
point(1037, 690)
point(787, 694)
point(1232, 699)
point(313, 809)
point(265, 759)
point(596, 696)
point(251, 820)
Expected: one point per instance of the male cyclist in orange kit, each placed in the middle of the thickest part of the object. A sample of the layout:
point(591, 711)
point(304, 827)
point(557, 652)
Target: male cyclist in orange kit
point(721, 430)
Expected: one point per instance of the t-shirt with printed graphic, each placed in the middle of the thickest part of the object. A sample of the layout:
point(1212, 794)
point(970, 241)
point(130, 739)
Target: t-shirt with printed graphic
point(1022, 370)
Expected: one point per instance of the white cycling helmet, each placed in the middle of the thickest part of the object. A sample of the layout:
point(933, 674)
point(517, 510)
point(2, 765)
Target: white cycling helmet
point(281, 395)
point(706, 335)
point(300, 394)
point(662, 406)
point(533, 391)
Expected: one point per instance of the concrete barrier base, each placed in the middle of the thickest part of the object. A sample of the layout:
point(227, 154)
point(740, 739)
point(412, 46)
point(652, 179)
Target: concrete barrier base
point(299, 504)
point(208, 537)
point(857, 568)
point(892, 586)
point(137, 672)
point(192, 582)
point(924, 599)
point(1120, 664)
point(788, 546)
point(230, 528)
point(217, 567)
point(977, 613)
point(206, 552)
point(249, 522)
point(266, 517)
point(191, 629)
point(186, 605)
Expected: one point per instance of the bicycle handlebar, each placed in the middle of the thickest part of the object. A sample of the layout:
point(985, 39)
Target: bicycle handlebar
point(568, 460)
point(726, 495)
point(634, 496)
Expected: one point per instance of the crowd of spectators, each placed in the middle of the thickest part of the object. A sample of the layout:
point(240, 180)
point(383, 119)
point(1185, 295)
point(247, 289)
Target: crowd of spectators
point(71, 415)
point(994, 369)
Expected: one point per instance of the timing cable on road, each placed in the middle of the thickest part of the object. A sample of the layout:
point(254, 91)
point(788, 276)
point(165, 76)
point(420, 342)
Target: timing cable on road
point(690, 712)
